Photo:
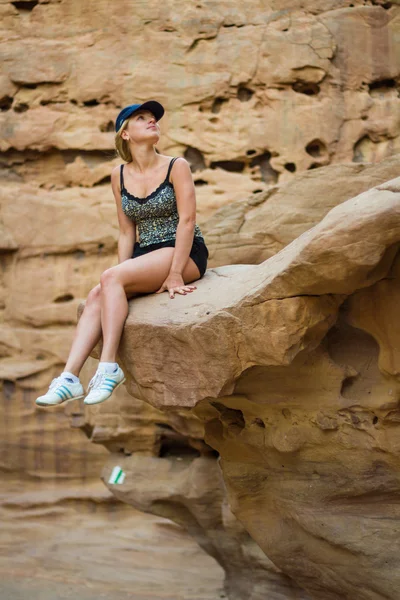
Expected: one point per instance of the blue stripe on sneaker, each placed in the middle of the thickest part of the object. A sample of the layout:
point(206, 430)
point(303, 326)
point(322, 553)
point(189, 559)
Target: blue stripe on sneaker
point(110, 381)
point(66, 390)
point(109, 388)
point(60, 394)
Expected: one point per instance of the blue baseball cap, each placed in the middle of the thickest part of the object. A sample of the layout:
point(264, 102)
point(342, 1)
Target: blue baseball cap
point(152, 105)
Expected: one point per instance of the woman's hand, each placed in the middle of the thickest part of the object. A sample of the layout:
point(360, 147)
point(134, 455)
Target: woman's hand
point(175, 285)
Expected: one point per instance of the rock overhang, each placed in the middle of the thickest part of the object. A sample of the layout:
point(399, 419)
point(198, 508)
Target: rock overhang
point(178, 351)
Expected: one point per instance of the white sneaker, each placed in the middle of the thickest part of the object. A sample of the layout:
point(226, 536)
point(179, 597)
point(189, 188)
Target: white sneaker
point(103, 384)
point(61, 390)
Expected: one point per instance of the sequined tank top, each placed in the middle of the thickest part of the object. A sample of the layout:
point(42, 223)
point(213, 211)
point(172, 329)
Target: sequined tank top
point(156, 215)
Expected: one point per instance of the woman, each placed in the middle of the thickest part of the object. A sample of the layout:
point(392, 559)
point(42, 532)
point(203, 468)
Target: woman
point(156, 194)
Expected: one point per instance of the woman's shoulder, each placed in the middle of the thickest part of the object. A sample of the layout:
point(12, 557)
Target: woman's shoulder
point(168, 159)
point(178, 160)
point(116, 178)
point(117, 170)
point(181, 164)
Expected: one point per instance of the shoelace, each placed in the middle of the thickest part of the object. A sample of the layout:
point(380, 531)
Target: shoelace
point(97, 380)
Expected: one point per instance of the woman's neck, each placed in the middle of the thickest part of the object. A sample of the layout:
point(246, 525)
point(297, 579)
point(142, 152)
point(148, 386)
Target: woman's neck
point(143, 160)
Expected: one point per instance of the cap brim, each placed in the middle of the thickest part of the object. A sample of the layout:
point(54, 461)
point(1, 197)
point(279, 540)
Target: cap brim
point(153, 106)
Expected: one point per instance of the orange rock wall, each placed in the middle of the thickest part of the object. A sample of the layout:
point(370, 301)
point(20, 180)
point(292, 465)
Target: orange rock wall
point(256, 95)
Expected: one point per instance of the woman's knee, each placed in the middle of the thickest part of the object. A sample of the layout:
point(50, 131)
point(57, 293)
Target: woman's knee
point(94, 295)
point(108, 276)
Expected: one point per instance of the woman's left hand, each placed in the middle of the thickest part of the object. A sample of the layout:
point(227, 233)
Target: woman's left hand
point(175, 285)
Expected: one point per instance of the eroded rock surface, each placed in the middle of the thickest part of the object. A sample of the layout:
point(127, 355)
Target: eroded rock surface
point(189, 490)
point(292, 367)
point(255, 228)
point(256, 97)
point(253, 95)
point(262, 314)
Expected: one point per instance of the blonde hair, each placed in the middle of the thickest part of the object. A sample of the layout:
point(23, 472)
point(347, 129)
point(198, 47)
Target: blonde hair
point(122, 146)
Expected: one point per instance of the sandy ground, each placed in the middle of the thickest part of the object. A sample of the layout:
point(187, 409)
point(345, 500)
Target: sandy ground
point(59, 546)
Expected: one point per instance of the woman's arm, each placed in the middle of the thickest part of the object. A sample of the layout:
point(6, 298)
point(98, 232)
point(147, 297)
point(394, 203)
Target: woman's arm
point(186, 205)
point(127, 227)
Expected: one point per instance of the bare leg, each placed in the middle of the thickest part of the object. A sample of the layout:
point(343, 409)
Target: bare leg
point(88, 333)
point(114, 310)
point(141, 275)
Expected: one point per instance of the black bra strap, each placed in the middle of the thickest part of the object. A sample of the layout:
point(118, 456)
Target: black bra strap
point(121, 178)
point(170, 167)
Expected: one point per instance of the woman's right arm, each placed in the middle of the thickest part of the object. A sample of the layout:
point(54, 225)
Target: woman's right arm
point(127, 227)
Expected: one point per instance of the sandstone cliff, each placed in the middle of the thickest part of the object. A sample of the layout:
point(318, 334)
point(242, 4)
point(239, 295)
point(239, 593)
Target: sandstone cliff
point(291, 366)
point(266, 100)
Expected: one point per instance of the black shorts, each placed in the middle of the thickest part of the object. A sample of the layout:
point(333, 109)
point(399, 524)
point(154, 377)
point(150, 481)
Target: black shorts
point(199, 251)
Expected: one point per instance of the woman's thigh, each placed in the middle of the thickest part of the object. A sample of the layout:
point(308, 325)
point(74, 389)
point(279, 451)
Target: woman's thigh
point(145, 274)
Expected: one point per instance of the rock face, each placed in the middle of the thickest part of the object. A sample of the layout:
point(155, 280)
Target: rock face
point(266, 103)
point(56, 544)
point(189, 490)
point(253, 95)
point(256, 228)
point(263, 314)
point(292, 366)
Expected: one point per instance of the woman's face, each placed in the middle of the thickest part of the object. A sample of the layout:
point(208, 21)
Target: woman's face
point(142, 126)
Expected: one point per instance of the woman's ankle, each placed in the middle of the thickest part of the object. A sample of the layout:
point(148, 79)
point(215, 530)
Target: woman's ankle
point(108, 367)
point(71, 375)
point(72, 370)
